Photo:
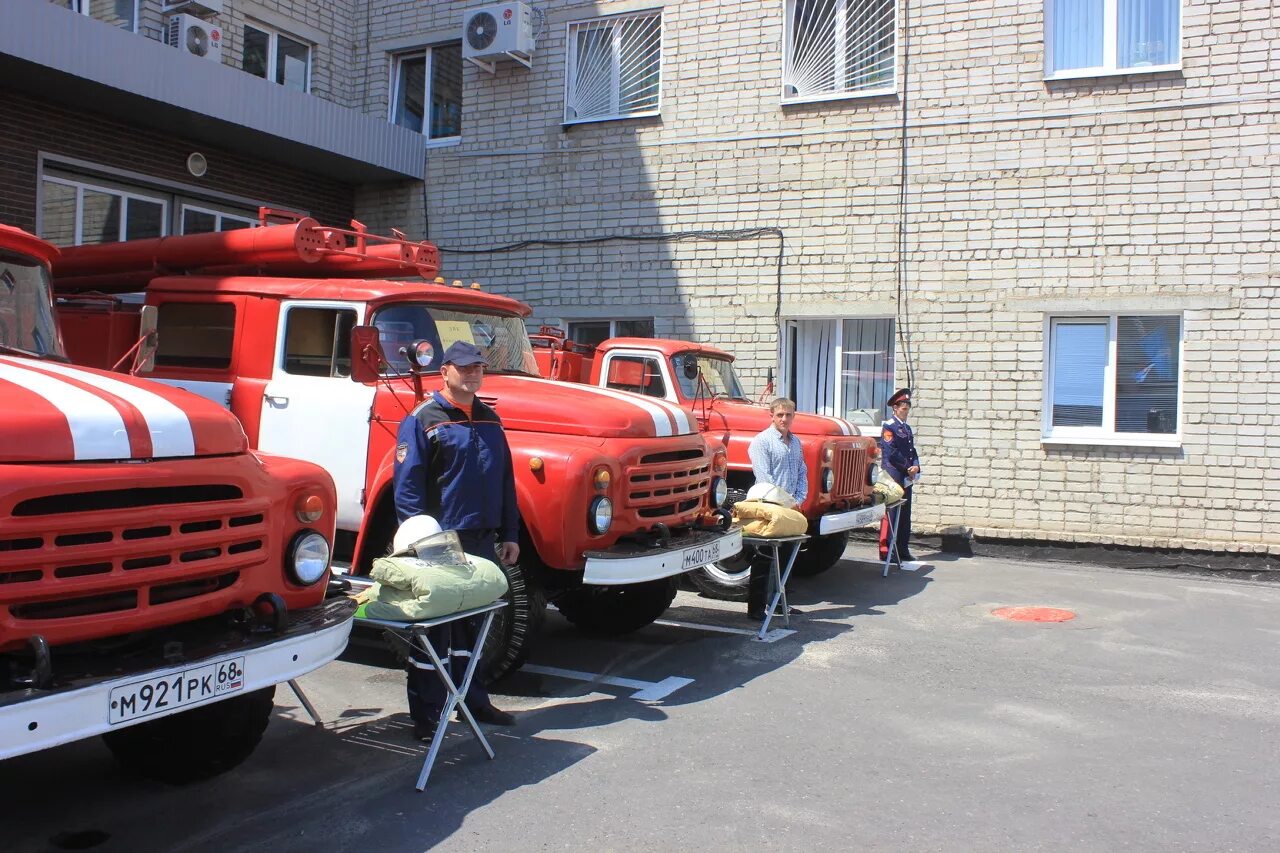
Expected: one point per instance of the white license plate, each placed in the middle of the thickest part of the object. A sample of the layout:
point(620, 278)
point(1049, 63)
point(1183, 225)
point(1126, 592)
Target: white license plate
point(176, 690)
point(701, 555)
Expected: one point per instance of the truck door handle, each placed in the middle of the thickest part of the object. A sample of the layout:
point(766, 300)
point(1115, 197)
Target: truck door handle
point(276, 402)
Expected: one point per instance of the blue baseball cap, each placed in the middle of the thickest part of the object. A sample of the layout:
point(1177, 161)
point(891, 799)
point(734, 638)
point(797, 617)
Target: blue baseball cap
point(463, 354)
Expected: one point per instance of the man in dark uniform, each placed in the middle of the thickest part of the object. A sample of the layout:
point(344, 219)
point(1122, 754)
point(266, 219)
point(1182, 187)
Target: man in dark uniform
point(453, 463)
point(900, 461)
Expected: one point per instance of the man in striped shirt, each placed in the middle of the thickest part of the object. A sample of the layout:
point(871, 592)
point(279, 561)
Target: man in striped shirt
point(777, 458)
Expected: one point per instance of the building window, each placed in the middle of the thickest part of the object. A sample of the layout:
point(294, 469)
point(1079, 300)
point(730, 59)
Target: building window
point(275, 56)
point(203, 220)
point(595, 332)
point(1113, 380)
point(839, 49)
point(614, 68)
point(75, 212)
point(427, 95)
point(866, 366)
point(1090, 37)
point(117, 13)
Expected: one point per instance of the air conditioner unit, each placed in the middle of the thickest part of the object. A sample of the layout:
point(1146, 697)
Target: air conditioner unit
point(192, 7)
point(191, 35)
point(490, 33)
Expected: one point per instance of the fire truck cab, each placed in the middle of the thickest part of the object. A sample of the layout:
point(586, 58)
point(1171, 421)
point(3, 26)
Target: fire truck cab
point(157, 579)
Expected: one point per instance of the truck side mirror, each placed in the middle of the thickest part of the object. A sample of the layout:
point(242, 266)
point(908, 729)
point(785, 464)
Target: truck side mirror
point(690, 367)
point(148, 320)
point(367, 357)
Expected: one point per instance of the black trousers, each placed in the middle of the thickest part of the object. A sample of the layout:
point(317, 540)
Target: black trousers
point(760, 581)
point(453, 643)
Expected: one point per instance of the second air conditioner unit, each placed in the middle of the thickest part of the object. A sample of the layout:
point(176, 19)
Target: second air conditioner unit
point(504, 31)
point(191, 35)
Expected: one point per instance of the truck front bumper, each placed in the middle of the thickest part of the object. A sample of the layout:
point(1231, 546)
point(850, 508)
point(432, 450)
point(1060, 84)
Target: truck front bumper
point(839, 522)
point(627, 563)
point(33, 719)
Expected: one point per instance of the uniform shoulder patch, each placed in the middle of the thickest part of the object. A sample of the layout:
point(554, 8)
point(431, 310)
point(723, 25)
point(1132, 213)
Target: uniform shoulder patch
point(402, 450)
point(887, 435)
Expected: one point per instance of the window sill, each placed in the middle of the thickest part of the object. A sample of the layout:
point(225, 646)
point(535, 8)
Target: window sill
point(840, 96)
point(1137, 440)
point(595, 119)
point(446, 142)
point(1085, 73)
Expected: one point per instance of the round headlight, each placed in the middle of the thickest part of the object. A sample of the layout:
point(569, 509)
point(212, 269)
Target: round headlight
point(873, 474)
point(423, 353)
point(828, 479)
point(308, 558)
point(600, 516)
point(719, 491)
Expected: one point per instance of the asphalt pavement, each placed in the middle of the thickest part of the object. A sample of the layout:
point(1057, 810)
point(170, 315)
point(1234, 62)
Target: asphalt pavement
point(900, 715)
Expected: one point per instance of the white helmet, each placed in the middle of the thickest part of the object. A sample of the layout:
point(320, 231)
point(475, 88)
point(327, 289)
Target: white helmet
point(414, 529)
point(771, 494)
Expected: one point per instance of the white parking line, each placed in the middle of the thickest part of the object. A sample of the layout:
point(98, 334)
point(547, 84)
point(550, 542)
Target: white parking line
point(772, 637)
point(650, 691)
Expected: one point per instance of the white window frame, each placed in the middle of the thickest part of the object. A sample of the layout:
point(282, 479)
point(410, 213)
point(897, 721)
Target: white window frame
point(273, 44)
point(80, 186)
point(571, 65)
point(81, 7)
point(394, 87)
point(218, 215)
point(879, 92)
point(1106, 435)
point(612, 321)
point(1110, 47)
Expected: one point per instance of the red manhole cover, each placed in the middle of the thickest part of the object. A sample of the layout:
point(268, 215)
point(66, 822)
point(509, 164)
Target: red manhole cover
point(1033, 614)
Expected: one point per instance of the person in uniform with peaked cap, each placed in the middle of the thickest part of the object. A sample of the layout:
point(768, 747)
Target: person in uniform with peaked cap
point(900, 461)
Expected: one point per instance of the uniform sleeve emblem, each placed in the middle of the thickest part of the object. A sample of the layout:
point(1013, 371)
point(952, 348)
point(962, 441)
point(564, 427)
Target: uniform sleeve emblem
point(887, 435)
point(402, 450)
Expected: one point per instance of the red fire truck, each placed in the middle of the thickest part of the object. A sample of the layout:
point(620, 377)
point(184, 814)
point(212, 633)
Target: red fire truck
point(618, 492)
point(157, 579)
point(701, 380)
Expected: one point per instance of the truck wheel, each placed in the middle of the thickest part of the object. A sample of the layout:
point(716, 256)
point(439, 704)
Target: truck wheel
point(195, 744)
point(727, 579)
point(613, 610)
point(517, 626)
point(819, 554)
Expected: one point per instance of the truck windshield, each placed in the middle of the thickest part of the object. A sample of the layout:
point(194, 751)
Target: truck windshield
point(26, 310)
point(717, 372)
point(503, 339)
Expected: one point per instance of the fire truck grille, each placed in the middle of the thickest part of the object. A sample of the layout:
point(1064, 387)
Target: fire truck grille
point(192, 541)
point(668, 486)
point(850, 468)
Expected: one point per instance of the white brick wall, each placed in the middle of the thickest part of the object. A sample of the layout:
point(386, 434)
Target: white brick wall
point(1026, 198)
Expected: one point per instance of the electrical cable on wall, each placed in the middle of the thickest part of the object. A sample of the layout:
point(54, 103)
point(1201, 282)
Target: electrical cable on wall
point(903, 307)
point(715, 236)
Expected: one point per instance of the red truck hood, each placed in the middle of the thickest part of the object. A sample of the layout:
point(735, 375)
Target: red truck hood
point(753, 417)
point(53, 412)
point(541, 405)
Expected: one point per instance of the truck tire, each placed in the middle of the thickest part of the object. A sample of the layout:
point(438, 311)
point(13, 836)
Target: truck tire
point(819, 554)
point(195, 744)
point(517, 626)
point(614, 610)
point(725, 580)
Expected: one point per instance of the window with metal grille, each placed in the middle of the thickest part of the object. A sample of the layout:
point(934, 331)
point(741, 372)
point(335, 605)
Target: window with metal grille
point(839, 49)
point(614, 68)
